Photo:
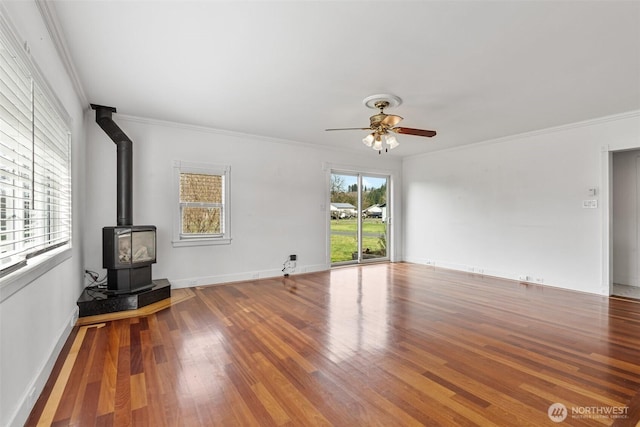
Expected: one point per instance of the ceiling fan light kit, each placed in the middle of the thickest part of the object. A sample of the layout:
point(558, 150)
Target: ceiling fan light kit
point(378, 141)
point(383, 124)
point(368, 140)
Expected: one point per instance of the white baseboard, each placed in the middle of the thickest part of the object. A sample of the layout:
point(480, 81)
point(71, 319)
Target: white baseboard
point(523, 278)
point(243, 276)
point(33, 391)
point(475, 270)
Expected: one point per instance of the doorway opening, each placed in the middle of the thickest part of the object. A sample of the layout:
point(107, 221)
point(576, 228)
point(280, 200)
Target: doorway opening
point(625, 215)
point(359, 216)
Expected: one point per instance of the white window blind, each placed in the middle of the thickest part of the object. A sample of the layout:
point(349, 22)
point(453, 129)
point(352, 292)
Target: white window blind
point(35, 164)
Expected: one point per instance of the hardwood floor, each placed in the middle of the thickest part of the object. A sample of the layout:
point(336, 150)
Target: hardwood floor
point(380, 345)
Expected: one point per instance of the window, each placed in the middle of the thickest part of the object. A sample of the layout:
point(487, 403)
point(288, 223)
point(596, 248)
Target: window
point(202, 215)
point(35, 162)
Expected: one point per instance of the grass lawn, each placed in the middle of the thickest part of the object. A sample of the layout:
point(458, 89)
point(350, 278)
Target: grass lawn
point(369, 225)
point(344, 245)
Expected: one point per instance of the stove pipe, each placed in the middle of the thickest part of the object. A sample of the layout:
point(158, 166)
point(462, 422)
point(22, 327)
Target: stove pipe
point(124, 162)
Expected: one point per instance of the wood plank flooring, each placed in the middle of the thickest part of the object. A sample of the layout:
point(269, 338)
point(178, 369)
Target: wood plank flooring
point(377, 345)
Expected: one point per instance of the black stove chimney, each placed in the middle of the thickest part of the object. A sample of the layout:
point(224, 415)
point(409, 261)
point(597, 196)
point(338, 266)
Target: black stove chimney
point(124, 162)
point(127, 250)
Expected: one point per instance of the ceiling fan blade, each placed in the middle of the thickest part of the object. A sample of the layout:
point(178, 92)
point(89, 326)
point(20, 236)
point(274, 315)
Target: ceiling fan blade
point(391, 120)
point(350, 129)
point(417, 132)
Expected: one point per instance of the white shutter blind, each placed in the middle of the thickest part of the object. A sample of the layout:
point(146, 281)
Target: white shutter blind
point(52, 179)
point(35, 185)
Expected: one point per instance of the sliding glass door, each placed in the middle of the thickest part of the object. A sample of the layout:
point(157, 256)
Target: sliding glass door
point(359, 217)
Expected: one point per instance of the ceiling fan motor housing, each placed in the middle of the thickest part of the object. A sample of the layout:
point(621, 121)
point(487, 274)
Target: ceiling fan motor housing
point(376, 120)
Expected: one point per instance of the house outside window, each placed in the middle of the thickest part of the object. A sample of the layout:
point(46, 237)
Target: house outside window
point(202, 212)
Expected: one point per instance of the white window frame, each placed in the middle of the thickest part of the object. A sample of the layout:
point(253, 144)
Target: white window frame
point(47, 251)
point(181, 240)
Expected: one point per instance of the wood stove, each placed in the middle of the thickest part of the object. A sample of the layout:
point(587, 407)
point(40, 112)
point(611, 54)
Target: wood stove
point(128, 250)
point(127, 254)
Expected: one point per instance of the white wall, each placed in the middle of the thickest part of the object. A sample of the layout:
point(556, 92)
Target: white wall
point(513, 207)
point(279, 198)
point(625, 217)
point(35, 321)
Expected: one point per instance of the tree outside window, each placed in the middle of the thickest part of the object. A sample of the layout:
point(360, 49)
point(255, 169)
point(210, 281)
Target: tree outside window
point(203, 204)
point(201, 197)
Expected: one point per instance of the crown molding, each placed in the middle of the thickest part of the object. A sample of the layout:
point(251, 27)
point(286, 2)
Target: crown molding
point(554, 129)
point(51, 21)
point(231, 133)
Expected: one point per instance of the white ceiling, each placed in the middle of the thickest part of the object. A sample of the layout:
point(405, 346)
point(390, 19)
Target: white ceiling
point(472, 70)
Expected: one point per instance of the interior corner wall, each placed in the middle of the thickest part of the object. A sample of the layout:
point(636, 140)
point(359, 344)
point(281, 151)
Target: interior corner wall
point(514, 207)
point(625, 217)
point(36, 320)
point(278, 201)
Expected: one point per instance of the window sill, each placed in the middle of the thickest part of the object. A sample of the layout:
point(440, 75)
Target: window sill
point(200, 242)
point(35, 268)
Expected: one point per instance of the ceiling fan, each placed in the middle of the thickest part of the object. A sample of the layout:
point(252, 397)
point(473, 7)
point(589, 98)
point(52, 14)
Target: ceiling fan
point(384, 125)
